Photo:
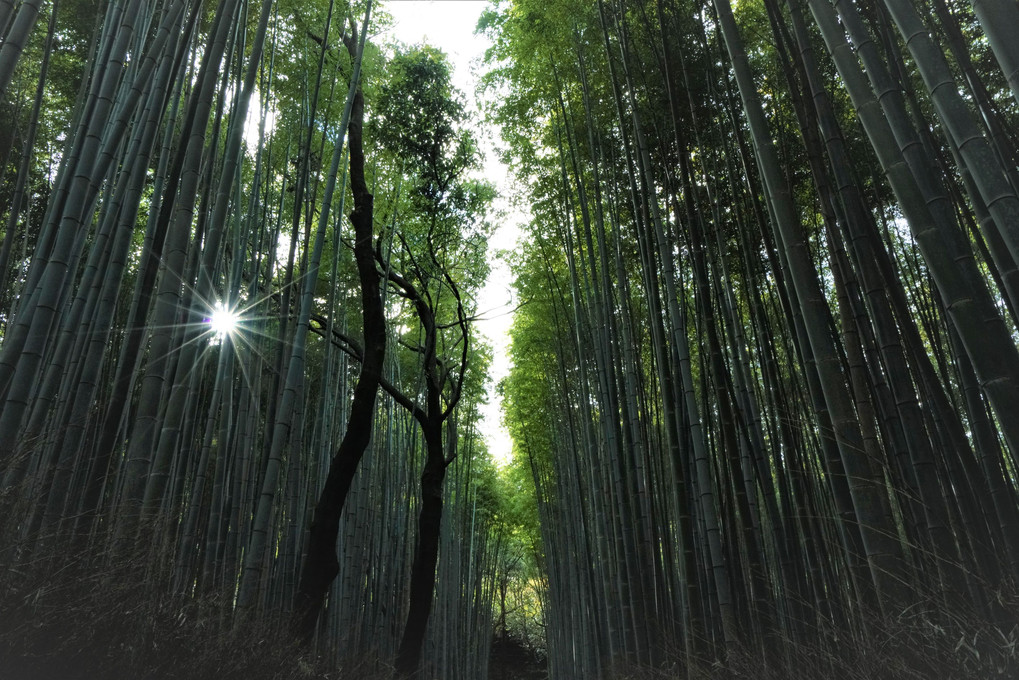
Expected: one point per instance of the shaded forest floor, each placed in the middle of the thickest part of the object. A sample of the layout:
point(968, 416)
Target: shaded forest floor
point(510, 660)
point(85, 618)
point(113, 622)
point(114, 625)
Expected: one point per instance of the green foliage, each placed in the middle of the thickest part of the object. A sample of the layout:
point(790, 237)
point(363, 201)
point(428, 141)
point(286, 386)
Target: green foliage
point(421, 123)
point(419, 119)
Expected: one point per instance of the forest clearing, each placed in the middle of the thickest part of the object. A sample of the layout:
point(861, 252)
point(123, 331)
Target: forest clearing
point(509, 339)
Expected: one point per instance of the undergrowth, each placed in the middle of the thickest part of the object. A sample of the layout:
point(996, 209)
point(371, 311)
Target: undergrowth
point(83, 619)
point(85, 616)
point(81, 615)
point(922, 643)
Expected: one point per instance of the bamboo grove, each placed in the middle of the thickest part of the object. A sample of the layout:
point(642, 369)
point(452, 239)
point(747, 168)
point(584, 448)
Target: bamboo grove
point(765, 362)
point(765, 366)
point(215, 382)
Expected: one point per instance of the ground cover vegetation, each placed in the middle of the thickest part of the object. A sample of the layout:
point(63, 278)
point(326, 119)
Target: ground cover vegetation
point(765, 366)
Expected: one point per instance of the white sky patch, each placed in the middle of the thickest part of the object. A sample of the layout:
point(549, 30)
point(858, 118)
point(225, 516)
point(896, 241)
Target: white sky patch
point(449, 25)
point(253, 122)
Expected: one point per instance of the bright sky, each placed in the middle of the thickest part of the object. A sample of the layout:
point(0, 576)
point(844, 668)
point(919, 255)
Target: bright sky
point(449, 25)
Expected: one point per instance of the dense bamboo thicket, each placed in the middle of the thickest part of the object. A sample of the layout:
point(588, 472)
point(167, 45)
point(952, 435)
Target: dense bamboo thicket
point(240, 255)
point(765, 367)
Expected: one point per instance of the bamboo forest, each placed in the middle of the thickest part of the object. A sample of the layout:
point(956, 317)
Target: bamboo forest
point(750, 408)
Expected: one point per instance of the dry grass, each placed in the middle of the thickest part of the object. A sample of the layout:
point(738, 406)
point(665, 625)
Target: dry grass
point(71, 620)
point(85, 618)
point(77, 619)
point(918, 645)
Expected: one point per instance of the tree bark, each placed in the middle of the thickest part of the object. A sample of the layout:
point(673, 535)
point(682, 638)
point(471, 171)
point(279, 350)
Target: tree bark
point(422, 579)
point(320, 563)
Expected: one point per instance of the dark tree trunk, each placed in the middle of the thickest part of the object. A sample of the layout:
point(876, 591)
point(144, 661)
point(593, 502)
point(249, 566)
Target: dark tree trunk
point(321, 564)
point(422, 579)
